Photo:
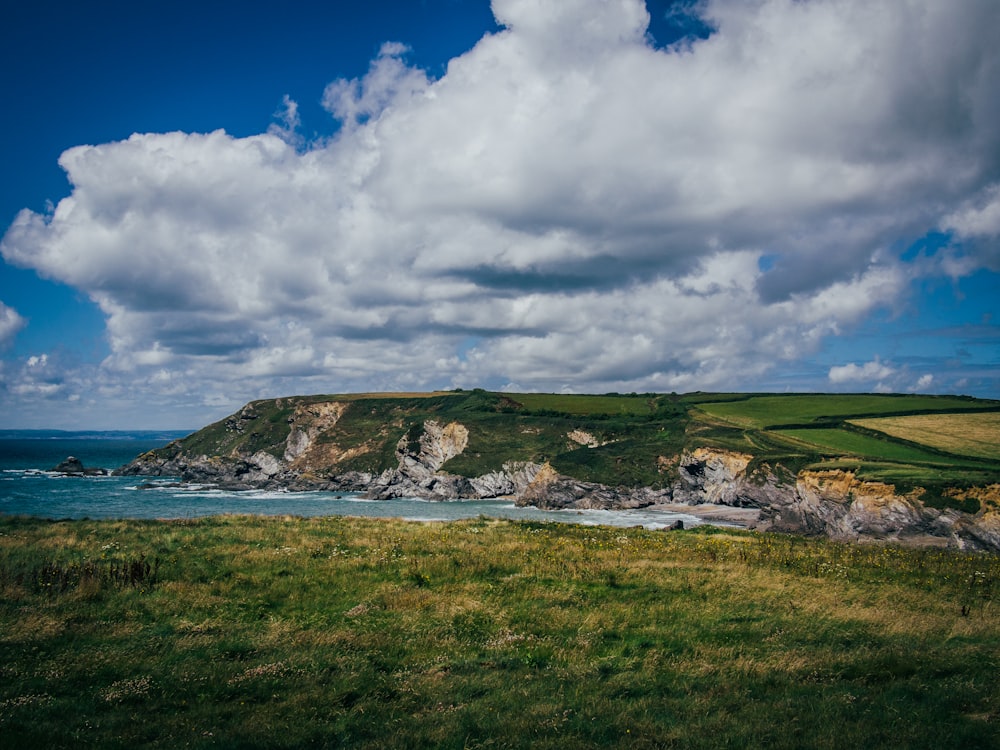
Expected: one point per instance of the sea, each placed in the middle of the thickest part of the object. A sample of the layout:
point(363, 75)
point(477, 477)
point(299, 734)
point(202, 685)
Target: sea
point(28, 486)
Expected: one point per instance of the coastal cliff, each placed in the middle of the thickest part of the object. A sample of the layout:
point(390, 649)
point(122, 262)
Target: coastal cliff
point(416, 447)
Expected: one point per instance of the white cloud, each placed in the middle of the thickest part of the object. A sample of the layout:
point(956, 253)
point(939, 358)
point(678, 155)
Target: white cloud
point(10, 324)
point(588, 210)
point(978, 218)
point(389, 82)
point(869, 371)
point(289, 121)
point(38, 376)
point(923, 383)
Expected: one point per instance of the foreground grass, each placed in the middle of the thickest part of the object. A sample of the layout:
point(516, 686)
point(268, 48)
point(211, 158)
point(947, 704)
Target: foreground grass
point(338, 632)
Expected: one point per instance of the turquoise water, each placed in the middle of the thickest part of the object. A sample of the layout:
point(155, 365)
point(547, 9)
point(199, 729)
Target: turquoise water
point(28, 488)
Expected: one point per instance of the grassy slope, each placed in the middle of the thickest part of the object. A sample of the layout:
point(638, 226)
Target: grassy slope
point(531, 427)
point(366, 633)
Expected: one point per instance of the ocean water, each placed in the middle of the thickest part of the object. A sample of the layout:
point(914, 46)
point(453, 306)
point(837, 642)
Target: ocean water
point(28, 487)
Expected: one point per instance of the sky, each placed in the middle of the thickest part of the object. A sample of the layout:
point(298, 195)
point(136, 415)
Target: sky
point(206, 203)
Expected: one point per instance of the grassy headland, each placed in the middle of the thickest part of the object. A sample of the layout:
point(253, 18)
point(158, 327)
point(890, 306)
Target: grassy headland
point(338, 632)
point(935, 442)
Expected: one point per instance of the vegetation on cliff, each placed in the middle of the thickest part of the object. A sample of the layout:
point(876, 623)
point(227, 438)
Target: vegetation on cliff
point(940, 444)
point(631, 432)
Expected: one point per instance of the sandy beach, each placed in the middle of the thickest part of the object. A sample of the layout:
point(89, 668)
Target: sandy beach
point(744, 517)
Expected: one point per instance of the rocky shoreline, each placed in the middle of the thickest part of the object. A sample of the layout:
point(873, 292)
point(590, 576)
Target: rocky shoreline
point(713, 484)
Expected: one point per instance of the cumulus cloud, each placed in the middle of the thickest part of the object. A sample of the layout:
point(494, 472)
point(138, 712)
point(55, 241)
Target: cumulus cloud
point(389, 82)
point(854, 373)
point(567, 206)
point(10, 324)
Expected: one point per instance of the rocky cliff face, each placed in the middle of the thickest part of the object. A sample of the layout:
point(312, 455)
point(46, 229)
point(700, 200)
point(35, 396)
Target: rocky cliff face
point(302, 464)
point(551, 490)
point(307, 463)
point(419, 461)
point(307, 423)
point(832, 503)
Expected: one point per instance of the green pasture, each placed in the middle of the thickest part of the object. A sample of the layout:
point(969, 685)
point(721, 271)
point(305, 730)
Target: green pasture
point(767, 411)
point(847, 442)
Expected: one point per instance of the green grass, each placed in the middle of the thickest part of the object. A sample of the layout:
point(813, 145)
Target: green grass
point(338, 632)
point(762, 411)
point(848, 442)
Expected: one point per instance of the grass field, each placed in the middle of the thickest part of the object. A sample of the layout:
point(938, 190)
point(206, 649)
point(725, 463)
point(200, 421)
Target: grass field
point(241, 632)
point(768, 411)
point(965, 434)
point(846, 442)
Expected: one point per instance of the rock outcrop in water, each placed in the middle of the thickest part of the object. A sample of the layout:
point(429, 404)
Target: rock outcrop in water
point(73, 466)
point(305, 451)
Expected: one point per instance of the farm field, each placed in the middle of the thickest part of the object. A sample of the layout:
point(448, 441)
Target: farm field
point(763, 411)
point(966, 434)
point(846, 442)
point(954, 442)
point(361, 633)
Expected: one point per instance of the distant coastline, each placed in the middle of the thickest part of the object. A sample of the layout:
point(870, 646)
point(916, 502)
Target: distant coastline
point(165, 435)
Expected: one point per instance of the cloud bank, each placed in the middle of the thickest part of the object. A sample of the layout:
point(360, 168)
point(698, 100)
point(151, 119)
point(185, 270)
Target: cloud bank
point(567, 207)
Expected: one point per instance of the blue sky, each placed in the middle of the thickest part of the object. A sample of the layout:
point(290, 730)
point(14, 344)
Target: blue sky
point(207, 203)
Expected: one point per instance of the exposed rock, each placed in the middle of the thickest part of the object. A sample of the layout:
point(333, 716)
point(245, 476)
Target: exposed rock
point(583, 438)
point(712, 476)
point(829, 503)
point(419, 461)
point(308, 421)
point(981, 531)
point(552, 490)
point(837, 504)
point(73, 466)
point(239, 421)
point(436, 445)
point(512, 480)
